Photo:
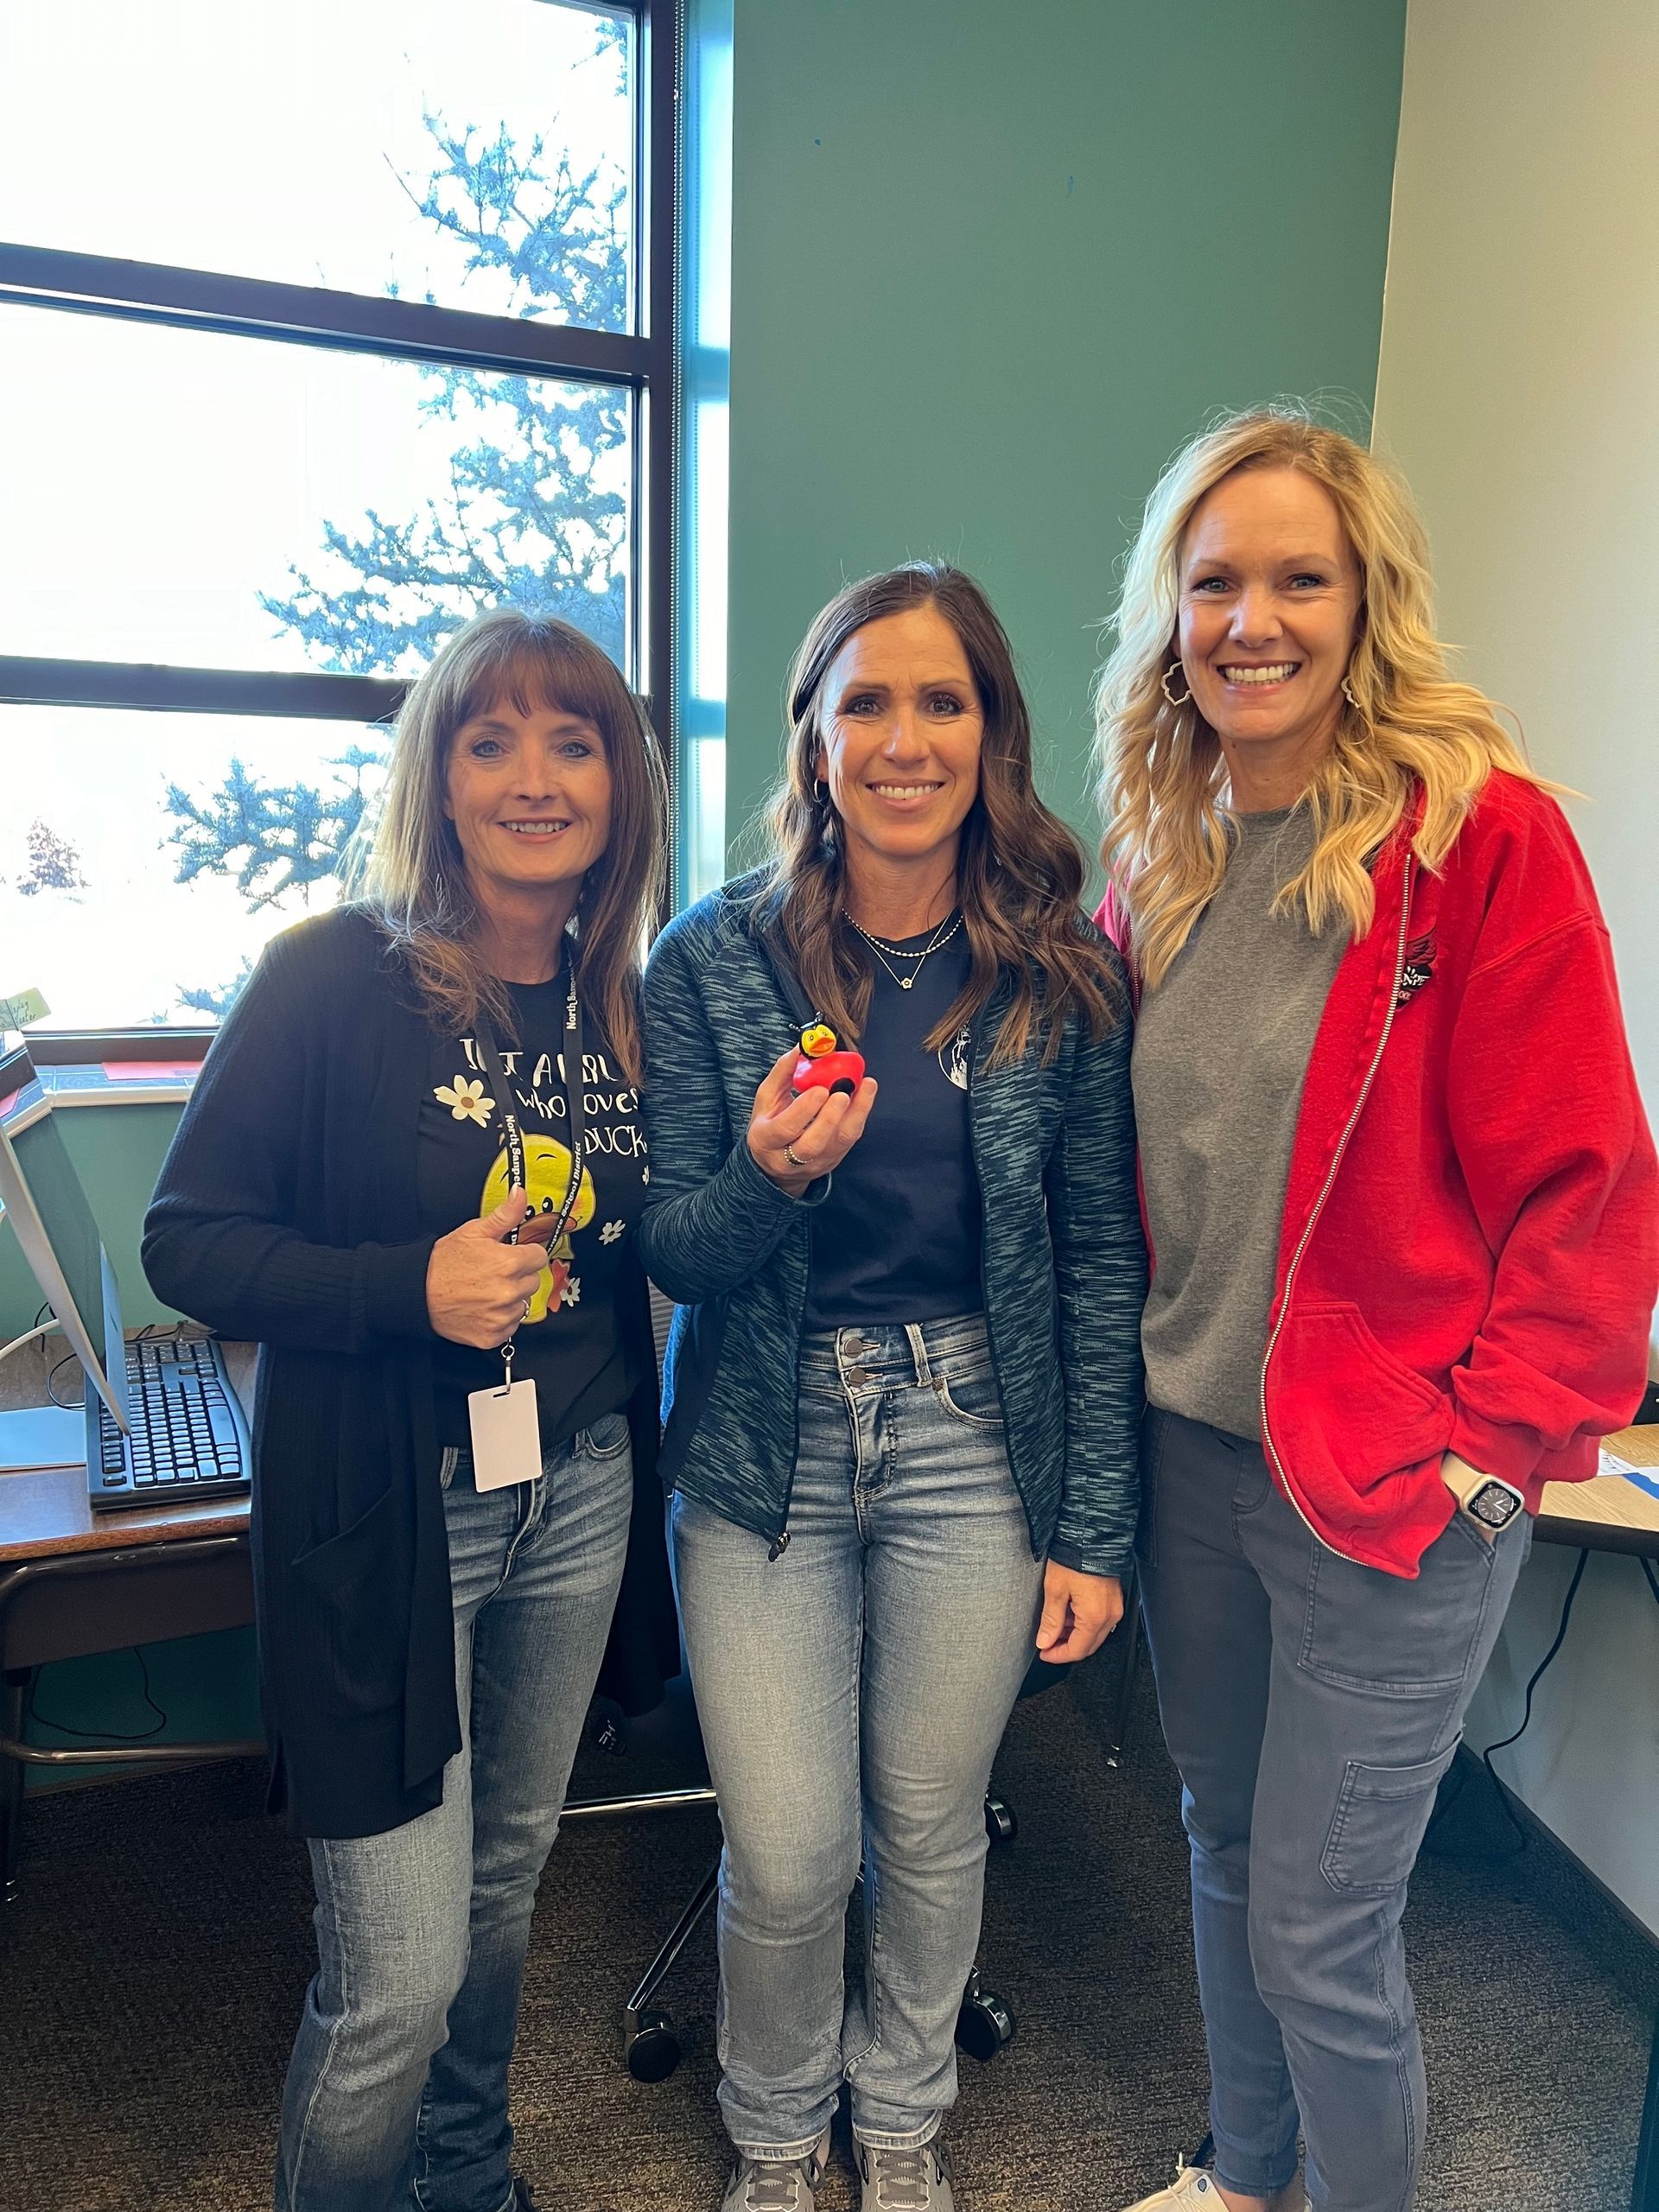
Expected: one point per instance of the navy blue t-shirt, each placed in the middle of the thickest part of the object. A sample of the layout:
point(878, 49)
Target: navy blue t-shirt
point(897, 1238)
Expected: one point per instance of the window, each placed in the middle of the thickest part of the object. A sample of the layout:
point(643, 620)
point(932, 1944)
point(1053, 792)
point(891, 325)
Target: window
point(320, 329)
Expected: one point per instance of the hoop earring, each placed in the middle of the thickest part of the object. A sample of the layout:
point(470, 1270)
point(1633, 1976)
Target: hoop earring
point(1347, 693)
point(1163, 685)
point(820, 793)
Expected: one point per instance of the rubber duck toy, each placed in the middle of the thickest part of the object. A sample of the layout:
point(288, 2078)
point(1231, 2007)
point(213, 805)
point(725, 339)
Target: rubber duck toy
point(822, 1066)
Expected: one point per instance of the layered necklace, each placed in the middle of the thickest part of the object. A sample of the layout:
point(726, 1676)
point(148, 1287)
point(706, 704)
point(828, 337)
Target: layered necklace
point(887, 954)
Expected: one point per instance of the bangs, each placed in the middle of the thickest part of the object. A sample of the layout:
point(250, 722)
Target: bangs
point(535, 669)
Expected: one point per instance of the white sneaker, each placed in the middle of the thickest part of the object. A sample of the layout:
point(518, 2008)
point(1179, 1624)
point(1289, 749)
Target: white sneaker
point(1195, 2187)
point(904, 2181)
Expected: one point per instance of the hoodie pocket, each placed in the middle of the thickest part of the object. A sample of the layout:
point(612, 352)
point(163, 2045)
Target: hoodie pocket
point(1355, 1407)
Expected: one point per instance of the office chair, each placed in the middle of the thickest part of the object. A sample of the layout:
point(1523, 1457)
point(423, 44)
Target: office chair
point(985, 2021)
point(650, 2047)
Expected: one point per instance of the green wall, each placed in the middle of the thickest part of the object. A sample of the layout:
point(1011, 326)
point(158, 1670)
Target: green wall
point(992, 263)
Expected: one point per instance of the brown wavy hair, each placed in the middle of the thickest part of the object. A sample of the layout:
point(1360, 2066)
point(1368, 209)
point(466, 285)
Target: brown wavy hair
point(1019, 870)
point(410, 873)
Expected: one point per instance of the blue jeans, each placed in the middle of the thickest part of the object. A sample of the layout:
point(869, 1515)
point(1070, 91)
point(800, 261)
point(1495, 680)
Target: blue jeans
point(853, 1692)
point(396, 2090)
point(1312, 1707)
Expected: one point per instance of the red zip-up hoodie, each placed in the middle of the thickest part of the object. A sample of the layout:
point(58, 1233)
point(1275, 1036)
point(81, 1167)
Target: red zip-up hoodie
point(1469, 1256)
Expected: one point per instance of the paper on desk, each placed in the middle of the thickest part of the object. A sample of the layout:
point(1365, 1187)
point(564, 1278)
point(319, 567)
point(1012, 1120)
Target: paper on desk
point(1645, 1478)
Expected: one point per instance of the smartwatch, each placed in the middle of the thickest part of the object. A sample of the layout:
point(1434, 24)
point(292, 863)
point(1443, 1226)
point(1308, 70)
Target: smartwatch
point(1485, 1498)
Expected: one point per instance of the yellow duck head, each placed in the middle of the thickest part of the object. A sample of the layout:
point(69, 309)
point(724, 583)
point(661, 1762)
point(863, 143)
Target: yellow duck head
point(547, 1177)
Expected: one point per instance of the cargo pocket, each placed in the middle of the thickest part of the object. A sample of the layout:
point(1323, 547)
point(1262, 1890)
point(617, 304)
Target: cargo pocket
point(1377, 1827)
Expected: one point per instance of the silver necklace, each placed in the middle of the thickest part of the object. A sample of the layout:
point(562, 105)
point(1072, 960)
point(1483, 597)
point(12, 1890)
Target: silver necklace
point(887, 954)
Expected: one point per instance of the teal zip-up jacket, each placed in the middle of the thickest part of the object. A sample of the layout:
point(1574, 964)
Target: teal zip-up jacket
point(1064, 1253)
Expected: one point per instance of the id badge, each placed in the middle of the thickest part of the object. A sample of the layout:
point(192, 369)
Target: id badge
point(506, 1435)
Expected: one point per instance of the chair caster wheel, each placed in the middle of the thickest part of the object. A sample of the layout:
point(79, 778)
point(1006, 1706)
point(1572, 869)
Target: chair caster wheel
point(1000, 1825)
point(984, 2022)
point(650, 2048)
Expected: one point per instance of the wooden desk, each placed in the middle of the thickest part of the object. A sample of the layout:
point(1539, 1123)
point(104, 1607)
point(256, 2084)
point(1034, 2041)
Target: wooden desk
point(74, 1582)
point(1606, 1513)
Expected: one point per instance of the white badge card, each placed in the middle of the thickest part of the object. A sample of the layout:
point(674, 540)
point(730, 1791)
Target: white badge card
point(506, 1436)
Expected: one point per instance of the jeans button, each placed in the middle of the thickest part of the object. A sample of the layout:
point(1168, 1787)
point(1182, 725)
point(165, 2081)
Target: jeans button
point(856, 1378)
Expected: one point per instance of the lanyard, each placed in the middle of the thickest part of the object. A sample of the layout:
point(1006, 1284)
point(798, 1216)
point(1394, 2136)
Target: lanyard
point(571, 1057)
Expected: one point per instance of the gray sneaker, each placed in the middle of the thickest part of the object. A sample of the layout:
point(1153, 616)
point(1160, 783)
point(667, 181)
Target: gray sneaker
point(904, 2181)
point(778, 2185)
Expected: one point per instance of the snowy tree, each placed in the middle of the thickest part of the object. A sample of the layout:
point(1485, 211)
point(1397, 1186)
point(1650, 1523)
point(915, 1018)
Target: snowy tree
point(533, 513)
point(53, 863)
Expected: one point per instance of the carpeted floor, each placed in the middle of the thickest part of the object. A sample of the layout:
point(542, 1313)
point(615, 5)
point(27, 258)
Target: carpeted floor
point(153, 1972)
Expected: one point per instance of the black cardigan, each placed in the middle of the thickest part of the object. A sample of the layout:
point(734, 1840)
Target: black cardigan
point(287, 1214)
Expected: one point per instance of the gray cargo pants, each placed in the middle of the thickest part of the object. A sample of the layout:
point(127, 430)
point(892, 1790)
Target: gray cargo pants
point(1312, 1707)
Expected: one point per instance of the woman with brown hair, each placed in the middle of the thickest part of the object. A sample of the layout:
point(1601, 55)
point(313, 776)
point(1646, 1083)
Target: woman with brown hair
point(411, 1170)
point(1401, 1197)
point(903, 1377)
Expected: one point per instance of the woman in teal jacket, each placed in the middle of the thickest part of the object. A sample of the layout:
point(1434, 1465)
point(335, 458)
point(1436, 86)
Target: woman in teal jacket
point(904, 1380)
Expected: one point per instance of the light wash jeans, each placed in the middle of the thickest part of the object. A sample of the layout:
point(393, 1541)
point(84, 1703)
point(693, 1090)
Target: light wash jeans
point(853, 1692)
point(1312, 1707)
point(396, 2090)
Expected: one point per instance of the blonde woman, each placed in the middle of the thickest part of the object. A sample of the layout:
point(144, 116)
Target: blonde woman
point(405, 1085)
point(1402, 1202)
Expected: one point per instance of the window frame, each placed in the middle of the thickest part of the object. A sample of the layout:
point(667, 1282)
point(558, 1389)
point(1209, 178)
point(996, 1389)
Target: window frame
point(642, 361)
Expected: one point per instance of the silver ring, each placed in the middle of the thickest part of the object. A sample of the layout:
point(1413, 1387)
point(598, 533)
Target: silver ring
point(793, 1157)
point(529, 1302)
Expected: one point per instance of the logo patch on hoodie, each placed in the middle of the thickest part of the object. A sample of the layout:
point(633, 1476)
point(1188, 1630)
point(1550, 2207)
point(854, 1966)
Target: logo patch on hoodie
point(1419, 969)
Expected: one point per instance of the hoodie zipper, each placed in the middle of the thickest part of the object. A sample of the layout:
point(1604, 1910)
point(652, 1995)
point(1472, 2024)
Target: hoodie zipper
point(1275, 1460)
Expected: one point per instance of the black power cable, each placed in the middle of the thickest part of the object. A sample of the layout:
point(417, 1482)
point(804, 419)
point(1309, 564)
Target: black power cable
point(103, 1735)
point(1500, 1793)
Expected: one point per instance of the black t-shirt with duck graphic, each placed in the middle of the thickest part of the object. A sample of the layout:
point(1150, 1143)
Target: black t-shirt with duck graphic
point(570, 1342)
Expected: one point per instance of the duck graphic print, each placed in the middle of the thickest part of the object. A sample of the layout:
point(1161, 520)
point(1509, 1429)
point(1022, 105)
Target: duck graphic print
point(614, 1170)
point(547, 1180)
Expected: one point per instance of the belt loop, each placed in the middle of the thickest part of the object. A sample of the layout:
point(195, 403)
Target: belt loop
point(918, 1352)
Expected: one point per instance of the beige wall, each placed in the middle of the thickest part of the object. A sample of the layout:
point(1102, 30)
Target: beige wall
point(1518, 387)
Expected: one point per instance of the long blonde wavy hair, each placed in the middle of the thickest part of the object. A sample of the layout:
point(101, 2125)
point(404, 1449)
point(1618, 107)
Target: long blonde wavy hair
point(1409, 728)
point(410, 872)
point(1019, 870)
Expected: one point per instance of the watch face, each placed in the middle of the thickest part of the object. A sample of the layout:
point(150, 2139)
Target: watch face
point(1495, 1503)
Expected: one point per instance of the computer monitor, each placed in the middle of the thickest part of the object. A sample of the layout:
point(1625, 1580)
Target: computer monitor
point(43, 1200)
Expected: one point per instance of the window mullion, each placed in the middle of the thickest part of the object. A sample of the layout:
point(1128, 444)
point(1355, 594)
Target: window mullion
point(300, 314)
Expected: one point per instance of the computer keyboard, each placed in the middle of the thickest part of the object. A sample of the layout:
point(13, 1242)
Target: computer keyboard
point(188, 1438)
